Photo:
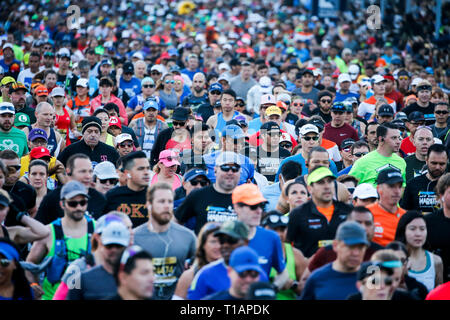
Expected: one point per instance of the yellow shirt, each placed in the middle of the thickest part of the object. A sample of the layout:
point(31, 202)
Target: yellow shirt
point(25, 162)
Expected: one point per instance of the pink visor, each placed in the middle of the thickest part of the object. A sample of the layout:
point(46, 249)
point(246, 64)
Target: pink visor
point(168, 158)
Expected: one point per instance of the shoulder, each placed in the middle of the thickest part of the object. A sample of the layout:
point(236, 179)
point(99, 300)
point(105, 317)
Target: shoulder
point(182, 230)
point(436, 259)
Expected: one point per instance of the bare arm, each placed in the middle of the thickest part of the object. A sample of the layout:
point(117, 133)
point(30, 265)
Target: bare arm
point(301, 265)
point(33, 231)
point(184, 282)
point(439, 270)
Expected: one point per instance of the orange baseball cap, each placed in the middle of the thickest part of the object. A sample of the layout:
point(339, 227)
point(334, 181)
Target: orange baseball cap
point(247, 193)
point(41, 91)
point(282, 105)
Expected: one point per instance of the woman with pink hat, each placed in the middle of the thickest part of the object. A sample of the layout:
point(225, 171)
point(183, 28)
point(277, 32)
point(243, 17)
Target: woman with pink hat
point(165, 170)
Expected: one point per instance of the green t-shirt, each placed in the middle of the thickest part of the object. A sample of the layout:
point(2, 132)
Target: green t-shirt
point(367, 168)
point(15, 140)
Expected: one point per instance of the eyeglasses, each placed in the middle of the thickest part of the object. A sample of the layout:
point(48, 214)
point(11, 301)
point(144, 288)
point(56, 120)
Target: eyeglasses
point(74, 204)
point(155, 72)
point(255, 206)
point(325, 100)
point(127, 145)
point(203, 183)
point(441, 112)
point(148, 86)
point(14, 169)
point(5, 262)
point(170, 81)
point(298, 104)
point(112, 181)
point(226, 168)
point(227, 239)
point(178, 123)
point(216, 93)
point(315, 138)
point(403, 78)
point(360, 154)
point(273, 218)
point(249, 273)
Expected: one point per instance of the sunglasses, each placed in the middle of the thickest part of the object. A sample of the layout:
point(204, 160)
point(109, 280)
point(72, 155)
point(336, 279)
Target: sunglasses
point(8, 108)
point(14, 169)
point(226, 168)
point(255, 206)
point(360, 154)
point(148, 86)
point(203, 183)
point(417, 123)
point(112, 181)
point(298, 104)
point(127, 145)
point(169, 158)
point(286, 145)
point(155, 72)
point(273, 218)
point(403, 78)
point(241, 105)
point(441, 112)
point(5, 262)
point(325, 101)
point(178, 123)
point(315, 138)
point(387, 281)
point(227, 239)
point(346, 149)
point(74, 204)
point(170, 81)
point(216, 93)
point(249, 273)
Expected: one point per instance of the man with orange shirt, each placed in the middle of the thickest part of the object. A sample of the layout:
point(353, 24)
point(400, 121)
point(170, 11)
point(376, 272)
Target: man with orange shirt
point(313, 224)
point(386, 211)
point(80, 105)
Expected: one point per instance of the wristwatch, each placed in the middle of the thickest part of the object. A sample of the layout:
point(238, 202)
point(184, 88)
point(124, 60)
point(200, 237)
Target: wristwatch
point(21, 214)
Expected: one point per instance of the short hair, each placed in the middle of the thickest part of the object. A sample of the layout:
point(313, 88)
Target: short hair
point(71, 161)
point(130, 264)
point(443, 184)
point(8, 155)
point(359, 144)
point(98, 111)
point(346, 177)
point(262, 66)
point(383, 129)
point(229, 92)
point(35, 54)
point(157, 186)
point(112, 106)
point(49, 71)
point(371, 123)
point(84, 64)
point(40, 105)
point(128, 160)
point(384, 255)
point(398, 246)
point(291, 170)
point(38, 162)
point(438, 148)
point(315, 149)
point(359, 209)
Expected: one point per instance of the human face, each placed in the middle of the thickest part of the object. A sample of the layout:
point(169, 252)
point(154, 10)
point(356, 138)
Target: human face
point(366, 221)
point(379, 88)
point(307, 80)
point(38, 177)
point(372, 134)
point(240, 106)
point(140, 173)
point(363, 202)
point(416, 233)
point(325, 103)
point(103, 186)
point(198, 84)
point(150, 115)
point(240, 285)
point(424, 96)
point(227, 180)
point(437, 163)
point(168, 82)
point(50, 80)
point(13, 166)
point(297, 195)
point(168, 171)
point(322, 190)
point(250, 215)
point(178, 85)
point(297, 106)
point(75, 213)
point(82, 171)
point(318, 159)
point(277, 91)
point(212, 248)
point(228, 102)
point(110, 253)
point(423, 139)
point(82, 91)
point(347, 154)
point(359, 152)
point(33, 63)
point(45, 117)
point(227, 245)
point(338, 118)
point(64, 63)
point(275, 118)
point(350, 257)
point(313, 141)
point(393, 140)
point(272, 138)
point(148, 89)
point(345, 86)
point(161, 207)
point(105, 69)
point(246, 72)
point(441, 113)
point(390, 194)
point(196, 183)
point(6, 121)
point(201, 141)
point(105, 90)
point(140, 281)
point(378, 286)
point(140, 69)
point(91, 136)
point(125, 147)
point(18, 99)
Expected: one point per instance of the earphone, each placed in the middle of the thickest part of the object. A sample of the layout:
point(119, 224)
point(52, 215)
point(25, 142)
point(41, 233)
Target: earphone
point(128, 175)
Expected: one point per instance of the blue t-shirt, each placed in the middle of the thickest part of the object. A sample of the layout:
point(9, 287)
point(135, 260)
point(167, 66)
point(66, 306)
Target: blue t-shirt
point(344, 171)
point(254, 125)
point(299, 159)
point(138, 100)
point(267, 245)
point(341, 97)
point(189, 73)
point(247, 167)
point(327, 284)
point(272, 194)
point(132, 87)
point(221, 295)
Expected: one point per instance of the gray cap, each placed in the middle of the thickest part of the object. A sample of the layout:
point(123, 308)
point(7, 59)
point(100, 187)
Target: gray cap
point(228, 157)
point(116, 233)
point(351, 233)
point(105, 170)
point(72, 189)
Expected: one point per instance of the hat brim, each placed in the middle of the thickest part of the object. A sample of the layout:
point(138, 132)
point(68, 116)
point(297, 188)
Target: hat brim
point(73, 194)
point(228, 233)
point(393, 180)
point(198, 175)
point(386, 114)
point(355, 241)
point(247, 267)
point(110, 240)
point(168, 163)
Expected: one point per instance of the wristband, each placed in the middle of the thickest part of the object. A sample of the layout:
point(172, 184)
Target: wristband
point(294, 285)
point(34, 284)
point(21, 214)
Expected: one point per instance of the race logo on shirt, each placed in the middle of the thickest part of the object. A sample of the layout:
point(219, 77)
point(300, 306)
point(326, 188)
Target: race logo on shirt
point(164, 269)
point(379, 230)
point(427, 199)
point(219, 214)
point(314, 223)
point(387, 166)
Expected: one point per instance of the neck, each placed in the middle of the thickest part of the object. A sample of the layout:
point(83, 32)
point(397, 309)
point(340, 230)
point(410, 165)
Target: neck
point(132, 186)
point(388, 207)
point(106, 97)
point(440, 124)
point(154, 226)
point(423, 103)
point(335, 125)
point(150, 124)
point(347, 163)
point(126, 295)
point(167, 90)
point(337, 266)
point(322, 204)
point(227, 115)
point(251, 232)
point(220, 190)
point(270, 148)
point(72, 224)
point(234, 294)
point(82, 97)
point(42, 191)
point(306, 89)
point(342, 91)
point(384, 152)
point(415, 252)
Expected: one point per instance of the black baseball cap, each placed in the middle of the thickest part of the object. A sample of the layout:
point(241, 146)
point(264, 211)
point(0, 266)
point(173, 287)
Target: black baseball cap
point(386, 110)
point(180, 114)
point(347, 143)
point(389, 176)
point(128, 67)
point(416, 116)
point(318, 123)
point(306, 71)
point(269, 126)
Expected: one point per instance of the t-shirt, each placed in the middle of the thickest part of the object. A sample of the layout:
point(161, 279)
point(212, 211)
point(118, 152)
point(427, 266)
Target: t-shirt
point(130, 202)
point(413, 167)
point(439, 132)
point(337, 135)
point(102, 152)
point(311, 97)
point(328, 284)
point(15, 140)
point(95, 284)
point(149, 140)
point(207, 205)
point(341, 96)
point(193, 102)
point(222, 295)
point(366, 169)
point(367, 107)
point(132, 87)
point(240, 87)
point(419, 194)
point(169, 249)
point(428, 112)
point(327, 212)
point(385, 223)
point(267, 163)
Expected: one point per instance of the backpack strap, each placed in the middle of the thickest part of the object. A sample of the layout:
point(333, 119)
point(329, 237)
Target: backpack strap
point(90, 233)
point(60, 243)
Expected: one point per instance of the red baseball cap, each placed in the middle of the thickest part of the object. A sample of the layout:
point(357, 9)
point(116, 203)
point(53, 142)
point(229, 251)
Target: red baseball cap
point(115, 121)
point(39, 153)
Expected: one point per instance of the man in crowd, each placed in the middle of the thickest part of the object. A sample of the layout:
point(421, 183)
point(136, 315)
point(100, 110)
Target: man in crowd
point(198, 94)
point(242, 83)
point(367, 107)
point(307, 90)
point(201, 144)
point(337, 130)
point(371, 135)
point(206, 110)
point(423, 139)
point(441, 113)
point(415, 120)
point(423, 103)
point(11, 137)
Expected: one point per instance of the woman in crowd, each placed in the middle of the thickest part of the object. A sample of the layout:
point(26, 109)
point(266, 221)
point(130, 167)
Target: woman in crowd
point(179, 88)
point(65, 119)
point(166, 92)
point(105, 137)
point(38, 177)
point(165, 170)
point(293, 195)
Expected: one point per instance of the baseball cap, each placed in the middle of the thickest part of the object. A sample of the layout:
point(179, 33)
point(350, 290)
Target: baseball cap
point(245, 258)
point(261, 291)
point(424, 85)
point(37, 133)
point(115, 121)
point(8, 45)
point(338, 106)
point(416, 81)
point(233, 131)
point(416, 116)
point(399, 123)
point(269, 126)
point(216, 87)
point(282, 105)
point(180, 114)
point(194, 173)
point(318, 174)
point(386, 110)
point(137, 55)
point(7, 107)
point(308, 128)
point(233, 228)
point(82, 82)
point(147, 80)
point(64, 52)
point(389, 76)
point(21, 119)
point(368, 268)
point(89, 122)
point(320, 124)
point(9, 251)
point(128, 67)
point(285, 137)
point(150, 103)
point(241, 120)
point(389, 176)
point(247, 193)
point(58, 92)
point(158, 68)
point(106, 62)
point(225, 77)
point(17, 86)
point(401, 116)
point(377, 79)
point(168, 158)
point(122, 137)
point(344, 77)
point(105, 170)
point(72, 189)
point(285, 97)
point(104, 220)
point(39, 152)
point(347, 143)
point(227, 157)
point(7, 80)
point(265, 82)
point(307, 71)
point(351, 233)
point(268, 99)
point(365, 191)
point(273, 110)
point(115, 233)
point(41, 90)
point(224, 66)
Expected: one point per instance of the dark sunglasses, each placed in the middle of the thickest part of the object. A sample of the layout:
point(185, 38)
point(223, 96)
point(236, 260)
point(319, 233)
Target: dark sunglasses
point(14, 169)
point(286, 145)
point(148, 86)
point(417, 123)
point(203, 183)
point(241, 105)
point(112, 181)
point(128, 73)
point(74, 204)
point(227, 239)
point(315, 138)
point(128, 145)
point(113, 246)
point(217, 93)
point(226, 168)
point(255, 206)
point(441, 112)
point(325, 101)
point(249, 273)
point(298, 104)
point(5, 262)
point(178, 123)
point(360, 154)
point(155, 72)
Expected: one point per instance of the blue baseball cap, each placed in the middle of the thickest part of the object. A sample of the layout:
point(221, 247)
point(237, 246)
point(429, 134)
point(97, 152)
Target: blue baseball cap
point(351, 233)
point(150, 104)
point(233, 131)
point(194, 173)
point(245, 258)
point(216, 87)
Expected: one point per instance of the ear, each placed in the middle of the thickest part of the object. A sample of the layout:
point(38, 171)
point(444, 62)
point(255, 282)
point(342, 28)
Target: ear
point(61, 204)
point(335, 245)
point(149, 206)
point(309, 187)
point(122, 276)
point(229, 271)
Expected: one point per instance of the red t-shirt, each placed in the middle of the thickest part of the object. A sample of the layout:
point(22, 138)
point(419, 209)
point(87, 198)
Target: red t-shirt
point(407, 146)
point(337, 135)
point(397, 97)
point(442, 292)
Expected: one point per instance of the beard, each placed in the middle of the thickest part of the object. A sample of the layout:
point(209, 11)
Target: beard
point(162, 218)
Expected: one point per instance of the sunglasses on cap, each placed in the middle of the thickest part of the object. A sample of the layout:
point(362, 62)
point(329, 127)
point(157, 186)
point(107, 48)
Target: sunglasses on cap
point(126, 144)
point(74, 203)
point(274, 218)
point(148, 86)
point(346, 149)
point(227, 239)
point(227, 168)
point(178, 123)
point(8, 108)
point(5, 262)
point(169, 158)
point(248, 273)
point(170, 81)
point(315, 138)
point(203, 183)
point(112, 181)
point(360, 154)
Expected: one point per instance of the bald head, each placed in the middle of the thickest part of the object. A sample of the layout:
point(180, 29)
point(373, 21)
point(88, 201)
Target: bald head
point(198, 82)
point(423, 139)
point(44, 114)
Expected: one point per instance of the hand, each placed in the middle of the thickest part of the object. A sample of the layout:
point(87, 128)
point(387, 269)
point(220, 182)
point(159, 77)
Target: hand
point(312, 106)
point(119, 72)
point(37, 291)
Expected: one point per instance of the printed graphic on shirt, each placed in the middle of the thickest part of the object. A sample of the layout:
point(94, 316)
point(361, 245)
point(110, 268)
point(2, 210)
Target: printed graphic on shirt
point(219, 214)
point(164, 273)
point(427, 199)
point(324, 243)
point(269, 166)
point(9, 144)
point(314, 223)
point(387, 166)
point(379, 230)
point(133, 210)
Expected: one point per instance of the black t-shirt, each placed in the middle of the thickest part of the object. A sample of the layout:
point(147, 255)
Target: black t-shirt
point(419, 194)
point(130, 202)
point(221, 295)
point(24, 197)
point(205, 110)
point(439, 132)
point(194, 102)
point(102, 152)
point(325, 116)
point(438, 238)
point(428, 112)
point(268, 163)
point(413, 167)
point(207, 205)
point(50, 210)
point(291, 118)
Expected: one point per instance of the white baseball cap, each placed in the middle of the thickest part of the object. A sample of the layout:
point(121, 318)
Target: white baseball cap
point(224, 66)
point(105, 170)
point(377, 78)
point(308, 128)
point(8, 45)
point(158, 68)
point(82, 82)
point(344, 77)
point(138, 55)
point(122, 137)
point(416, 81)
point(268, 99)
point(365, 191)
point(58, 92)
point(116, 233)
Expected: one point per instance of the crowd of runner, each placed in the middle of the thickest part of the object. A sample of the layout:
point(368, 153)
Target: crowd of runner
point(223, 151)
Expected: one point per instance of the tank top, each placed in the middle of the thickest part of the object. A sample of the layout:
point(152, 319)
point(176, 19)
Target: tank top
point(177, 147)
point(175, 184)
point(170, 100)
point(221, 123)
point(290, 267)
point(5, 232)
point(426, 276)
point(52, 144)
point(62, 124)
